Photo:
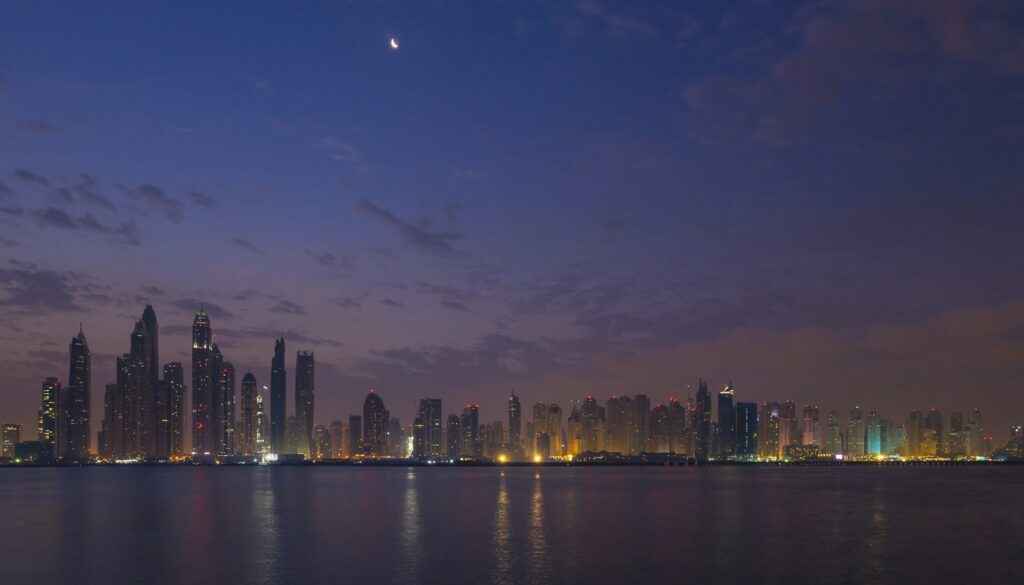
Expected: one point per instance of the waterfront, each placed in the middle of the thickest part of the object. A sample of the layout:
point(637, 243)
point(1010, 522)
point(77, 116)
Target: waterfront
point(190, 525)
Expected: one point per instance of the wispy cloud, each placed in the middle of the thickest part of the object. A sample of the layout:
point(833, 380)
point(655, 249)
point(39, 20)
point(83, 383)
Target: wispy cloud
point(288, 308)
point(31, 177)
point(247, 246)
point(418, 236)
point(152, 195)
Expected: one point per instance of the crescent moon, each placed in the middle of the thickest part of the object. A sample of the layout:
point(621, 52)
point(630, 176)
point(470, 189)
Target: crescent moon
point(394, 43)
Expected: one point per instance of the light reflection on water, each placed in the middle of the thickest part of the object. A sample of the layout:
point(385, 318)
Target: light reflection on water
point(187, 526)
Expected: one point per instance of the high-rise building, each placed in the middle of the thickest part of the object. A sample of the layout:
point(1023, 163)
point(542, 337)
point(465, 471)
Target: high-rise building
point(554, 429)
point(833, 435)
point(874, 435)
point(278, 395)
point(174, 383)
point(355, 430)
point(933, 442)
point(322, 441)
point(746, 430)
point(202, 384)
point(419, 438)
point(726, 422)
point(453, 437)
point(338, 440)
point(677, 420)
point(304, 399)
point(856, 434)
point(620, 427)
point(515, 426)
point(77, 404)
point(152, 440)
point(471, 446)
point(661, 429)
point(915, 433)
point(811, 427)
point(10, 437)
point(703, 421)
point(789, 426)
point(374, 425)
point(429, 415)
point(768, 432)
point(248, 422)
point(975, 434)
point(639, 441)
point(262, 424)
point(48, 414)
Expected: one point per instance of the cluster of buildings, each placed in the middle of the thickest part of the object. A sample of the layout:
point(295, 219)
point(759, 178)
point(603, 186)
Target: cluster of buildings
point(146, 416)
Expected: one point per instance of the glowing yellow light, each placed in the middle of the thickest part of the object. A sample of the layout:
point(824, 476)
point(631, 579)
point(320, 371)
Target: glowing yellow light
point(502, 458)
point(537, 459)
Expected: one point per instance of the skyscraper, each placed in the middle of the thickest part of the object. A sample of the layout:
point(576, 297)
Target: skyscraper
point(515, 426)
point(78, 422)
point(433, 430)
point(227, 407)
point(216, 409)
point(641, 423)
point(661, 429)
point(262, 424)
point(248, 422)
point(278, 394)
point(11, 436)
point(726, 422)
point(174, 383)
point(470, 446)
point(833, 435)
point(48, 413)
point(703, 421)
point(746, 430)
point(934, 438)
point(146, 361)
point(874, 434)
point(355, 430)
point(304, 400)
point(202, 383)
point(374, 425)
point(856, 434)
point(811, 427)
point(453, 436)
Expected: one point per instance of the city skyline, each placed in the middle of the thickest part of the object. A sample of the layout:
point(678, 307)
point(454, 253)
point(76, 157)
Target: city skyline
point(142, 416)
point(819, 202)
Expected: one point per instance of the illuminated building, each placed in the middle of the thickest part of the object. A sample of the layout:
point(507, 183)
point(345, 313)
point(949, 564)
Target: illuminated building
point(395, 437)
point(247, 422)
point(109, 442)
point(768, 431)
point(305, 400)
point(856, 433)
point(77, 403)
point(278, 395)
point(873, 445)
point(419, 438)
point(174, 380)
point(726, 422)
point(789, 426)
point(515, 426)
point(678, 427)
point(975, 432)
point(470, 445)
point(746, 430)
point(226, 408)
point(800, 452)
point(202, 383)
point(934, 432)
point(339, 443)
point(641, 435)
point(454, 437)
point(703, 421)
point(153, 440)
point(433, 429)
point(956, 439)
point(322, 441)
point(619, 424)
point(540, 425)
point(591, 423)
point(555, 432)
point(293, 435)
point(11, 436)
point(811, 427)
point(915, 433)
point(374, 425)
point(48, 413)
point(262, 424)
point(833, 435)
point(661, 429)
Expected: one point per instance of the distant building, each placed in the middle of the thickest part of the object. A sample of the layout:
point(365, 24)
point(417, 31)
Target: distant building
point(833, 435)
point(305, 399)
point(338, 440)
point(746, 430)
point(174, 386)
point(248, 421)
point(11, 436)
point(202, 384)
point(515, 426)
point(453, 437)
point(726, 422)
point(429, 415)
point(322, 440)
point(374, 425)
point(278, 395)
point(470, 446)
point(703, 421)
point(76, 412)
point(856, 435)
point(355, 441)
point(48, 413)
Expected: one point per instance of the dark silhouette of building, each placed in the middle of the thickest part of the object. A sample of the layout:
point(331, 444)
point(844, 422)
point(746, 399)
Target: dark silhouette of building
point(429, 415)
point(226, 408)
point(49, 413)
point(247, 416)
point(304, 401)
point(174, 388)
point(515, 426)
point(202, 384)
point(726, 422)
point(746, 430)
point(703, 421)
point(355, 435)
point(77, 402)
point(278, 395)
point(471, 431)
point(453, 436)
point(375, 425)
point(153, 440)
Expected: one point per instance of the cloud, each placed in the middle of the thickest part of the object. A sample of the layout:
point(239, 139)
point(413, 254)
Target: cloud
point(30, 177)
point(173, 209)
point(125, 232)
point(153, 290)
point(31, 289)
point(338, 150)
point(36, 126)
point(618, 24)
point(86, 189)
point(288, 308)
point(5, 190)
point(7, 243)
point(392, 303)
point(454, 305)
point(325, 258)
point(418, 236)
point(192, 305)
point(349, 302)
point(201, 199)
point(247, 245)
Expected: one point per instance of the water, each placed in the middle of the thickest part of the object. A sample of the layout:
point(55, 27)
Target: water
point(202, 525)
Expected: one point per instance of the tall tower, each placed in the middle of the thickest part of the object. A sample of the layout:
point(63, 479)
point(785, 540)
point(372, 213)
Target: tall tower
point(48, 413)
point(433, 431)
point(78, 423)
point(248, 422)
point(374, 425)
point(174, 382)
point(746, 431)
point(153, 435)
point(262, 424)
point(202, 383)
point(703, 421)
point(726, 422)
point(515, 426)
point(226, 408)
point(305, 401)
point(278, 392)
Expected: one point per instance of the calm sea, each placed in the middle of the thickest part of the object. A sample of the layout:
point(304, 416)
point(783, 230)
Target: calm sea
point(287, 525)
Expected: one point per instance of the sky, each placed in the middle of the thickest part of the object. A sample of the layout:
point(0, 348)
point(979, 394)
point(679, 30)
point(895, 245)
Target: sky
point(821, 202)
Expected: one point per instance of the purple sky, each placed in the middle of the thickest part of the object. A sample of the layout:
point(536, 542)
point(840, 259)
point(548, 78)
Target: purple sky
point(822, 202)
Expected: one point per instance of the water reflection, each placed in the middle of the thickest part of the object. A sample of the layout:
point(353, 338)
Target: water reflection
point(502, 555)
point(266, 565)
point(410, 539)
point(877, 537)
point(538, 557)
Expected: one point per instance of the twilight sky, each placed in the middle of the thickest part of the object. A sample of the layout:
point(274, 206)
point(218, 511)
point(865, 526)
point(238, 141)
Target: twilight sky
point(820, 201)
